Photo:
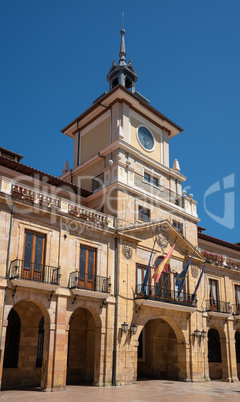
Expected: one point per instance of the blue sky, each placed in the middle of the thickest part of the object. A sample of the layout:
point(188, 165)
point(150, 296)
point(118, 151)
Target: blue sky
point(55, 56)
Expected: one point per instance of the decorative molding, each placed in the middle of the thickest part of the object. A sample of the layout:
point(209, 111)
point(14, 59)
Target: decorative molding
point(194, 271)
point(127, 252)
point(162, 238)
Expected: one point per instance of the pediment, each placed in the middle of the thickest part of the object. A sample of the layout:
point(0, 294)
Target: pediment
point(165, 235)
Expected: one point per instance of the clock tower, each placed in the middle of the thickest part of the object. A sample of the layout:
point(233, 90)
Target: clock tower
point(121, 154)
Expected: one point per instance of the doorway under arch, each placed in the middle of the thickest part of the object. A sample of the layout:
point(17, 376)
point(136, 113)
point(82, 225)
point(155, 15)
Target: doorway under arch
point(237, 345)
point(23, 354)
point(82, 360)
point(214, 355)
point(158, 352)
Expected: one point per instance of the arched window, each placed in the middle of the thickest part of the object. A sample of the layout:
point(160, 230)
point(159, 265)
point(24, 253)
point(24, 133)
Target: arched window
point(12, 340)
point(214, 346)
point(237, 343)
point(40, 343)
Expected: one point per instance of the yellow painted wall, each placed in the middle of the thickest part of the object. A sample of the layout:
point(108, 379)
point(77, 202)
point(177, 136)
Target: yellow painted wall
point(85, 178)
point(156, 153)
point(95, 140)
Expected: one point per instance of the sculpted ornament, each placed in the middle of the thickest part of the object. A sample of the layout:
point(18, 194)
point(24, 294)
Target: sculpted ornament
point(162, 237)
point(127, 252)
point(194, 271)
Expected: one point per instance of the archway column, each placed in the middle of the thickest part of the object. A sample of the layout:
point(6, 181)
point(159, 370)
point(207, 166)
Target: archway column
point(226, 373)
point(61, 345)
point(99, 356)
point(232, 351)
point(4, 332)
point(184, 362)
point(48, 353)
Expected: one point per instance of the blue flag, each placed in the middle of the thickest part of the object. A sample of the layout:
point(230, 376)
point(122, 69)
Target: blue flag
point(199, 280)
point(180, 279)
point(145, 282)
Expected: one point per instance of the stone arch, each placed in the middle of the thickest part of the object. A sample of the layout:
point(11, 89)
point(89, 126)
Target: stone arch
point(26, 373)
point(217, 369)
point(83, 364)
point(165, 349)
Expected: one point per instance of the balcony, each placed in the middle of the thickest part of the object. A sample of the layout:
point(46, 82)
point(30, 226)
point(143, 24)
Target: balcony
point(30, 272)
point(160, 191)
point(218, 306)
point(98, 182)
point(94, 283)
point(157, 293)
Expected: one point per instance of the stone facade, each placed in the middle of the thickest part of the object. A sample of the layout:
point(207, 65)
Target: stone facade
point(73, 308)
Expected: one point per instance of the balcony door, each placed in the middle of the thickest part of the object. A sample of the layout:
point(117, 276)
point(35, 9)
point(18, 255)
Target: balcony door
point(163, 287)
point(213, 294)
point(237, 295)
point(141, 272)
point(33, 257)
point(87, 268)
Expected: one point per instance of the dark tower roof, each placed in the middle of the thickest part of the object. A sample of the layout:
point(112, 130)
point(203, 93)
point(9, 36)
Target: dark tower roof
point(122, 73)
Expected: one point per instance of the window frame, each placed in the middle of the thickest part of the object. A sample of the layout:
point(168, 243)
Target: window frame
point(141, 210)
point(236, 298)
point(150, 179)
point(214, 306)
point(144, 270)
point(87, 282)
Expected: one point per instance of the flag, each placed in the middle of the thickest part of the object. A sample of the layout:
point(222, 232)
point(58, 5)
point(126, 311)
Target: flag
point(145, 282)
point(163, 266)
point(180, 279)
point(199, 280)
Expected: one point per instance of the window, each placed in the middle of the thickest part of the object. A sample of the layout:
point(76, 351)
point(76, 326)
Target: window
point(40, 343)
point(178, 226)
point(213, 294)
point(150, 179)
point(12, 340)
point(181, 296)
point(144, 214)
point(33, 256)
point(141, 272)
point(214, 346)
point(237, 295)
point(87, 267)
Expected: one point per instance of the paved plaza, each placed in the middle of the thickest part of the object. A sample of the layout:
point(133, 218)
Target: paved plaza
point(138, 392)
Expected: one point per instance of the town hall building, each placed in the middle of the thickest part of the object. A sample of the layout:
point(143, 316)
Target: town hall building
point(75, 251)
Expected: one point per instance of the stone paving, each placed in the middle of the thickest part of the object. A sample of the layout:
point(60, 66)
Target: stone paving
point(154, 390)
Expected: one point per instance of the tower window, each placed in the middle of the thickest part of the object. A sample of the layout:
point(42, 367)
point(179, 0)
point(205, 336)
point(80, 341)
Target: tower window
point(150, 179)
point(143, 214)
point(115, 82)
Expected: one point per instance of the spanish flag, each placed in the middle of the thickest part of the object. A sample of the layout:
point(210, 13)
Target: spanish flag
point(163, 266)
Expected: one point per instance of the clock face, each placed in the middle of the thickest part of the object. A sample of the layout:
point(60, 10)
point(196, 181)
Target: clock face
point(145, 138)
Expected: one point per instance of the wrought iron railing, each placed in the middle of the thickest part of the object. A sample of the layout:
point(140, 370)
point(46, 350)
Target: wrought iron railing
point(219, 306)
point(158, 293)
point(32, 271)
point(98, 182)
point(159, 190)
point(89, 282)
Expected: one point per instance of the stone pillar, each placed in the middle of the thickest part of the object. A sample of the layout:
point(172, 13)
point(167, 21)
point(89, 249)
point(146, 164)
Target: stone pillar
point(232, 351)
point(3, 325)
point(61, 345)
point(184, 361)
point(48, 352)
point(99, 356)
point(225, 359)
